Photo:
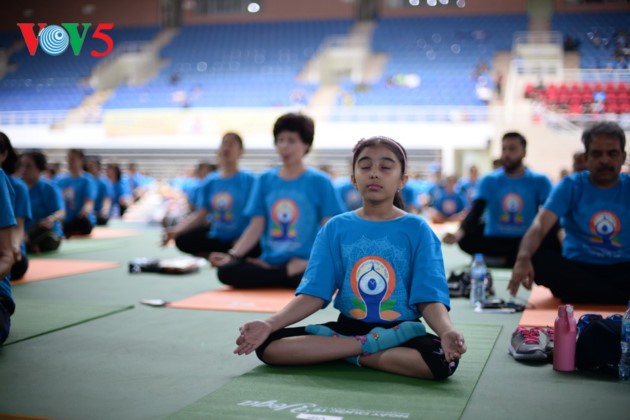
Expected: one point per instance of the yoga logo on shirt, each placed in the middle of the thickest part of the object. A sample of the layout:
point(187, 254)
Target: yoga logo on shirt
point(68, 197)
point(449, 206)
point(512, 206)
point(222, 203)
point(605, 227)
point(373, 280)
point(284, 215)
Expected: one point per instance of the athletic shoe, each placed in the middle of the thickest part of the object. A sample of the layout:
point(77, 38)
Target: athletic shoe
point(548, 332)
point(528, 345)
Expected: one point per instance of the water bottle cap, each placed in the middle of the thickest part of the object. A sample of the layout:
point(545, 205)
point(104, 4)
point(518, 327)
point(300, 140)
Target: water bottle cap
point(478, 257)
point(570, 308)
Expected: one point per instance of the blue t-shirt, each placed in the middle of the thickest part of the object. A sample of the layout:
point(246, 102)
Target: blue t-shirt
point(225, 200)
point(449, 203)
point(596, 220)
point(380, 270)
point(350, 197)
point(7, 219)
point(511, 203)
point(75, 190)
point(22, 206)
point(467, 187)
point(45, 199)
point(104, 190)
point(293, 210)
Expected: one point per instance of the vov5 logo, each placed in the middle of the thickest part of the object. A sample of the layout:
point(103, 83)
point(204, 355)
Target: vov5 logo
point(54, 40)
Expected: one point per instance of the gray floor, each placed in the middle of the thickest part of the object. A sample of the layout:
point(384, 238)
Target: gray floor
point(146, 363)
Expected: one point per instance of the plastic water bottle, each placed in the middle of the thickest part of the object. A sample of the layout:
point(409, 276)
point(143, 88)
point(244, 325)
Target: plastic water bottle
point(624, 362)
point(565, 336)
point(478, 280)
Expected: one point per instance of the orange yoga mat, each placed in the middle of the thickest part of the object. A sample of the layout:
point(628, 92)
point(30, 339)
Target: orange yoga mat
point(239, 300)
point(44, 269)
point(544, 308)
point(107, 233)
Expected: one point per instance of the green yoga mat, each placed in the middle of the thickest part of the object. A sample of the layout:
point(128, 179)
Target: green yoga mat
point(33, 318)
point(338, 391)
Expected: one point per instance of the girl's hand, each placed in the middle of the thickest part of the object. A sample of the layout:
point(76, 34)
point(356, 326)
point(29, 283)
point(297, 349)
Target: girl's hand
point(253, 334)
point(453, 345)
point(219, 259)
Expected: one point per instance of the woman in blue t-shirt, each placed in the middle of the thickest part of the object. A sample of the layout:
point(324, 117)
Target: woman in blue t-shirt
point(219, 219)
point(7, 223)
point(287, 206)
point(43, 233)
point(383, 269)
point(79, 192)
point(21, 206)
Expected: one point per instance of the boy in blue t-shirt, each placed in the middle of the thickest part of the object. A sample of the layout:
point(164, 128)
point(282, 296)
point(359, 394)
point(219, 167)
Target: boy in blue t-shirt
point(287, 206)
point(593, 205)
point(510, 197)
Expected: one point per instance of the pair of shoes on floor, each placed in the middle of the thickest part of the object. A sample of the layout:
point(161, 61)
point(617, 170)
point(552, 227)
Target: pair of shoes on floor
point(532, 344)
point(459, 284)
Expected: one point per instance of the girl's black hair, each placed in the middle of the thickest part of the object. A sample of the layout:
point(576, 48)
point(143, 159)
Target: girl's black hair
point(10, 163)
point(392, 145)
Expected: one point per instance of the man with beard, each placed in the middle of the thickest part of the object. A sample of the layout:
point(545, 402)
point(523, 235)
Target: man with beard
point(510, 197)
point(593, 205)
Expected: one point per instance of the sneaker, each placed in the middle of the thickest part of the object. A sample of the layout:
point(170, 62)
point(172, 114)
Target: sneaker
point(459, 284)
point(528, 344)
point(548, 332)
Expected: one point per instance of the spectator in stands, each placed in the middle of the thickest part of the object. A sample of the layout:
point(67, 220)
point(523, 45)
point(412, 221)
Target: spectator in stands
point(594, 264)
point(510, 197)
point(121, 198)
point(287, 206)
point(104, 191)
point(44, 232)
point(448, 205)
point(7, 256)
point(21, 208)
point(219, 219)
point(79, 192)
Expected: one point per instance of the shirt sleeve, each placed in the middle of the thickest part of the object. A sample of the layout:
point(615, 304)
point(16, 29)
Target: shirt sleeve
point(320, 279)
point(545, 189)
point(22, 202)
point(428, 280)
point(7, 217)
point(256, 202)
point(559, 201)
point(484, 191)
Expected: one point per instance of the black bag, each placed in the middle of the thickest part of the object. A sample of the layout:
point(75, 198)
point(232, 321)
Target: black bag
point(182, 265)
point(598, 347)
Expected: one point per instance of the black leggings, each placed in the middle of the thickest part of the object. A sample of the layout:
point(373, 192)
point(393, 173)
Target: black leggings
point(429, 346)
point(41, 239)
point(246, 275)
point(474, 242)
point(78, 226)
point(579, 282)
point(19, 268)
point(196, 242)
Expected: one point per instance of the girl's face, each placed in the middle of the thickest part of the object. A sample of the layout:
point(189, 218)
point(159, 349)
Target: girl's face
point(378, 174)
point(290, 147)
point(28, 171)
point(230, 149)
